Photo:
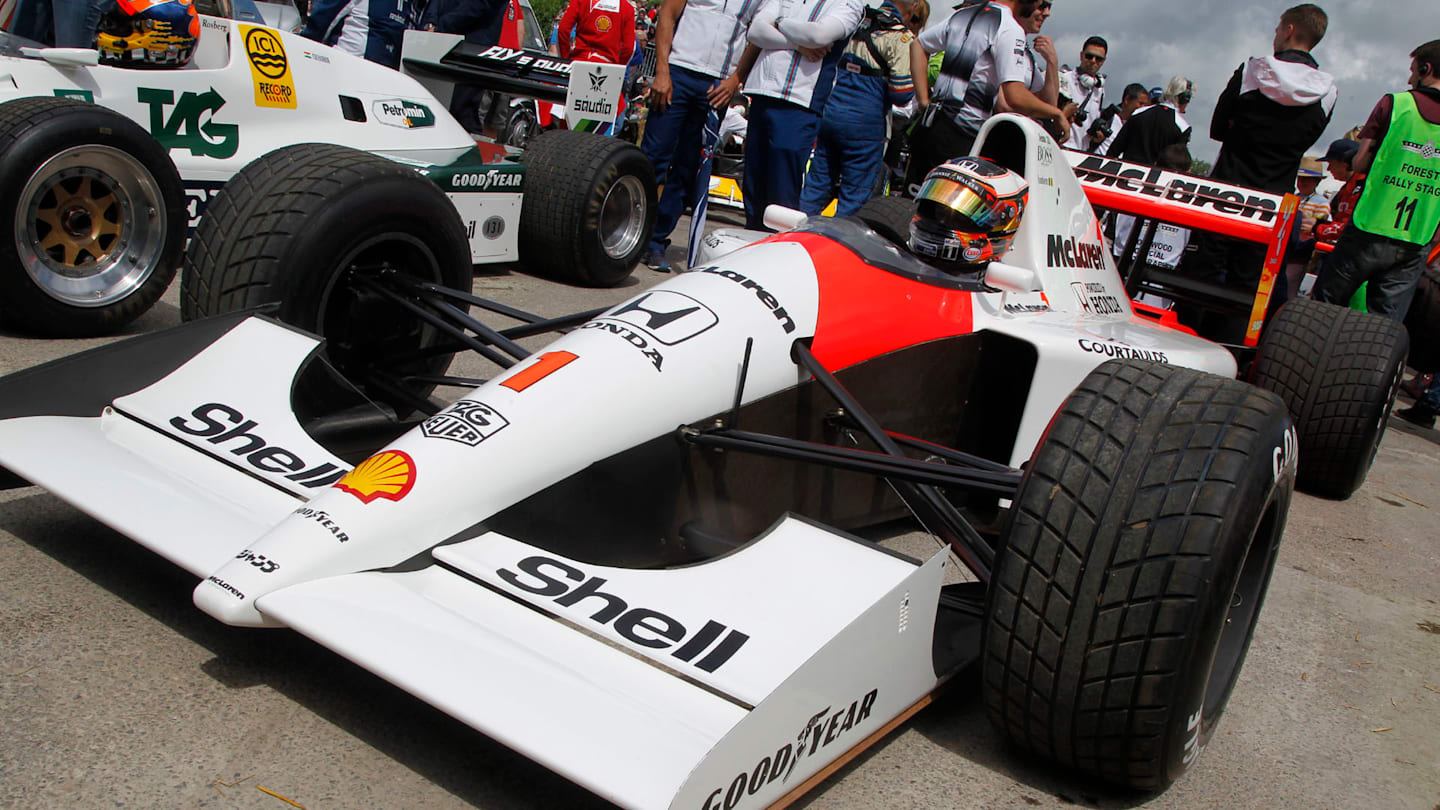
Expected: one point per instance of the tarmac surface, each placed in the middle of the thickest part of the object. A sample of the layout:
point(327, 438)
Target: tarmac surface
point(116, 691)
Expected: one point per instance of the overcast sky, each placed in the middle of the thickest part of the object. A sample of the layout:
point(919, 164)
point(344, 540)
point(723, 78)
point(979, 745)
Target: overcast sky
point(1366, 48)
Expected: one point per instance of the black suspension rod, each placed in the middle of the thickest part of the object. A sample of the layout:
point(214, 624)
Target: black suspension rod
point(865, 461)
point(929, 505)
point(950, 453)
point(552, 324)
point(436, 321)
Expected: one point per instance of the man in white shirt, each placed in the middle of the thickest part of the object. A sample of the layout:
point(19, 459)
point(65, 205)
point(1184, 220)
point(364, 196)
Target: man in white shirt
point(799, 44)
point(985, 57)
point(699, 46)
point(1084, 87)
point(1101, 132)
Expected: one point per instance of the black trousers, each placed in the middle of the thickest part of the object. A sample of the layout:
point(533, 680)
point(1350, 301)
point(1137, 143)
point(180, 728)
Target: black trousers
point(932, 145)
point(1228, 262)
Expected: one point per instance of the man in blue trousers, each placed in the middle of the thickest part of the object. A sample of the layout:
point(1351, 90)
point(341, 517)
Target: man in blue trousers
point(800, 43)
point(699, 64)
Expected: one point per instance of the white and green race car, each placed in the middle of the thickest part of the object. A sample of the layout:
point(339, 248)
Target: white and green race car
point(109, 169)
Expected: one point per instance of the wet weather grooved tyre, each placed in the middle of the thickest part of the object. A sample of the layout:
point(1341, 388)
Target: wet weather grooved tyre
point(304, 228)
point(1337, 371)
point(1133, 567)
point(94, 217)
point(589, 207)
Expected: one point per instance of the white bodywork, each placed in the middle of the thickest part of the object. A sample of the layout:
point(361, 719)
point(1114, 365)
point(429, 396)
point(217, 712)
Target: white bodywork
point(722, 684)
point(250, 90)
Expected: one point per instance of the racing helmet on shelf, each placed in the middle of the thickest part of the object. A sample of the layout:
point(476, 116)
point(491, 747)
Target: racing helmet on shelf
point(148, 33)
point(966, 214)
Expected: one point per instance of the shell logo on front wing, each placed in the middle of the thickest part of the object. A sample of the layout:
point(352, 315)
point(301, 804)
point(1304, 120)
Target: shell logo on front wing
point(389, 475)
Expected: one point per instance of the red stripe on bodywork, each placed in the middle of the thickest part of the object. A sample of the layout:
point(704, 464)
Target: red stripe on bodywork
point(1164, 317)
point(866, 312)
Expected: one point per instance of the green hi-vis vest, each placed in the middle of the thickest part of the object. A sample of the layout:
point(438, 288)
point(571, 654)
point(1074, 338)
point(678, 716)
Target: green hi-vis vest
point(1402, 192)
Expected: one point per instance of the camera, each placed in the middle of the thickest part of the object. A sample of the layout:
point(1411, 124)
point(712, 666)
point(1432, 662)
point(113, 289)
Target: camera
point(1105, 123)
point(1081, 116)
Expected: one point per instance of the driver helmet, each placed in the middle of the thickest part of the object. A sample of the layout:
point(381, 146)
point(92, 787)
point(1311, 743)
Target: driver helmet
point(966, 214)
point(148, 33)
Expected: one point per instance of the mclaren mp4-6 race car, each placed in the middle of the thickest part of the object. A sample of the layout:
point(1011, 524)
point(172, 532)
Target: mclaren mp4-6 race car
point(105, 169)
point(630, 554)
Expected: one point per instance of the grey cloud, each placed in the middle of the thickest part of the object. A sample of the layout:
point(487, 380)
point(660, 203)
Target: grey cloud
point(1366, 48)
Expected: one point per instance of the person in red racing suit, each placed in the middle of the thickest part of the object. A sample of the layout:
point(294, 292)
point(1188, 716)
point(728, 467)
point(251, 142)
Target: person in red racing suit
point(604, 31)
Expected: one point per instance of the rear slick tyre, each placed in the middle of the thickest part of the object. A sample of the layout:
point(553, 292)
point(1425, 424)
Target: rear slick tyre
point(1133, 567)
point(589, 207)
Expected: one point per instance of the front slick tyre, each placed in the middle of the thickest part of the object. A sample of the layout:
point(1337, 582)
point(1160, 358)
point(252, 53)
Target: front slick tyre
point(1134, 563)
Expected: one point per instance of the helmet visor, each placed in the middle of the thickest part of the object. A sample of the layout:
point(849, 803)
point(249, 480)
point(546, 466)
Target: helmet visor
point(961, 207)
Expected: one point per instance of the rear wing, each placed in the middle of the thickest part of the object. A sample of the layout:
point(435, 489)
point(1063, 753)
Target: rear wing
point(1193, 202)
point(441, 61)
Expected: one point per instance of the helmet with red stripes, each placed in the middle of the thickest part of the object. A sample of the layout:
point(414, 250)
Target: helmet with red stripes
point(966, 214)
point(148, 33)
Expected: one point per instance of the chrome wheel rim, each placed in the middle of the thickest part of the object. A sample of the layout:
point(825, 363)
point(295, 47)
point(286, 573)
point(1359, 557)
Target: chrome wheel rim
point(90, 226)
point(622, 217)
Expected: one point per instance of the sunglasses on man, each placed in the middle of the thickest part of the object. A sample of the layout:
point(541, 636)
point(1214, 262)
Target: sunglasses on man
point(1098, 57)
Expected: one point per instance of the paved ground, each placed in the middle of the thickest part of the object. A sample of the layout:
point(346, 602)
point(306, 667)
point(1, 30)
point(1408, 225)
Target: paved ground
point(116, 691)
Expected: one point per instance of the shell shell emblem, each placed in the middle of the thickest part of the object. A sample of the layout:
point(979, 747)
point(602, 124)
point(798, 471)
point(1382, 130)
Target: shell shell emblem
point(389, 475)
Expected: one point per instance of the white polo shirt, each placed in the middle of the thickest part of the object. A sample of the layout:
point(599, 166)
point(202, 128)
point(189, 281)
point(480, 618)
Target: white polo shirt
point(710, 36)
point(984, 48)
point(782, 25)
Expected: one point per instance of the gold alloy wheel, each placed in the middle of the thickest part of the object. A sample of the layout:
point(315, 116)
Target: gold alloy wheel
point(80, 216)
point(90, 225)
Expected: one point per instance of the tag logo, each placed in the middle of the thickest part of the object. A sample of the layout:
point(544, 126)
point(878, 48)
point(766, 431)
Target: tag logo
point(467, 422)
point(191, 125)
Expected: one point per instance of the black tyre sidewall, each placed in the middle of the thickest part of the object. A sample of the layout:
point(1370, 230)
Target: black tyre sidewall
point(890, 217)
point(1423, 322)
point(395, 205)
point(82, 124)
point(1260, 496)
point(1261, 491)
point(567, 176)
point(1315, 403)
point(275, 239)
point(601, 269)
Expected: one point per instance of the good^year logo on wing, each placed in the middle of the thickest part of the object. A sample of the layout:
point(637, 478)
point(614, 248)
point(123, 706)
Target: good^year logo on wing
point(269, 68)
point(389, 475)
